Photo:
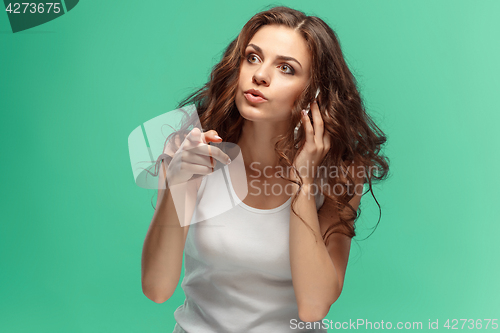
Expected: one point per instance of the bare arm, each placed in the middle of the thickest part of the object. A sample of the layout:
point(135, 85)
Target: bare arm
point(318, 270)
point(163, 247)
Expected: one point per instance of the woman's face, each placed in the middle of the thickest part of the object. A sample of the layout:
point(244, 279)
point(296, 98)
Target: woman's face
point(276, 64)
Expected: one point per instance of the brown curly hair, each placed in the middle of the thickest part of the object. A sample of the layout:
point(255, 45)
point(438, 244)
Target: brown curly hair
point(354, 135)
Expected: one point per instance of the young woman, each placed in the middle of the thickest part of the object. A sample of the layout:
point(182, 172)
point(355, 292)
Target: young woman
point(275, 262)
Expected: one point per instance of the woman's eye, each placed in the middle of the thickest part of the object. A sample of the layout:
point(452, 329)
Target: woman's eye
point(250, 57)
point(290, 69)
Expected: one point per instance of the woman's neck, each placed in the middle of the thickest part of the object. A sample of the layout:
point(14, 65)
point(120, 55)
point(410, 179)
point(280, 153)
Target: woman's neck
point(257, 142)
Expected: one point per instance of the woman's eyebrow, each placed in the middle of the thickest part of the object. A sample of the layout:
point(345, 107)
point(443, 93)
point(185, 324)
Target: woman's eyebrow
point(281, 57)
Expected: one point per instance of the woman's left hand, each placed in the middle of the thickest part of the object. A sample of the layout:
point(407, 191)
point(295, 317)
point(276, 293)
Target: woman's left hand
point(315, 148)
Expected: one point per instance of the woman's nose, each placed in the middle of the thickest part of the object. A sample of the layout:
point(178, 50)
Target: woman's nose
point(261, 77)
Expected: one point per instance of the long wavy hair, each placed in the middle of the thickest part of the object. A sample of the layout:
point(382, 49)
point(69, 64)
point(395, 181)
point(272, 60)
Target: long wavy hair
point(354, 135)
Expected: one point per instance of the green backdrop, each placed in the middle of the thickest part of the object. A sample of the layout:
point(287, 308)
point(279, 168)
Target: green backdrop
point(74, 222)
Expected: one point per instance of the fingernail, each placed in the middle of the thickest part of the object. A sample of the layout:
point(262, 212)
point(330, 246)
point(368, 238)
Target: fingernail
point(228, 160)
point(304, 113)
point(315, 102)
point(218, 137)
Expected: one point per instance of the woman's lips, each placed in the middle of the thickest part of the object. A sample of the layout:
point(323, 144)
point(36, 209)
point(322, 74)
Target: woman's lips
point(254, 99)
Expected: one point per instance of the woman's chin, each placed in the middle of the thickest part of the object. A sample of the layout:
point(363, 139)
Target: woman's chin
point(260, 113)
point(252, 113)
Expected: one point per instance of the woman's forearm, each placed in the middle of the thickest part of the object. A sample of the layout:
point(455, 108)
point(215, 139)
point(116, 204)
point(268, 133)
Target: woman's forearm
point(314, 276)
point(163, 247)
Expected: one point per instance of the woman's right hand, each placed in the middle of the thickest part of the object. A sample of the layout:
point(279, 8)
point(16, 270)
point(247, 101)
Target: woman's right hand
point(193, 157)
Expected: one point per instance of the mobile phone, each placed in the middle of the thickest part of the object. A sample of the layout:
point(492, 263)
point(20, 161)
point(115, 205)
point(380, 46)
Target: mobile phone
point(310, 116)
point(309, 107)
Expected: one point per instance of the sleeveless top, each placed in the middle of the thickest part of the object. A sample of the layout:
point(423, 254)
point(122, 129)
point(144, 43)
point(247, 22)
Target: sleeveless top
point(237, 267)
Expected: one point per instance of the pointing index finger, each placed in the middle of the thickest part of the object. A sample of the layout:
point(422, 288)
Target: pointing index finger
point(213, 151)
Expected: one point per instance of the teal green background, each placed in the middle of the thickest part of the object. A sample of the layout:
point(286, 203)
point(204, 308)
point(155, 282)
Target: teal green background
point(74, 222)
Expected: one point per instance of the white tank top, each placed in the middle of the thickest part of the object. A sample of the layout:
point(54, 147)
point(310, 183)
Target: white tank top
point(237, 275)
